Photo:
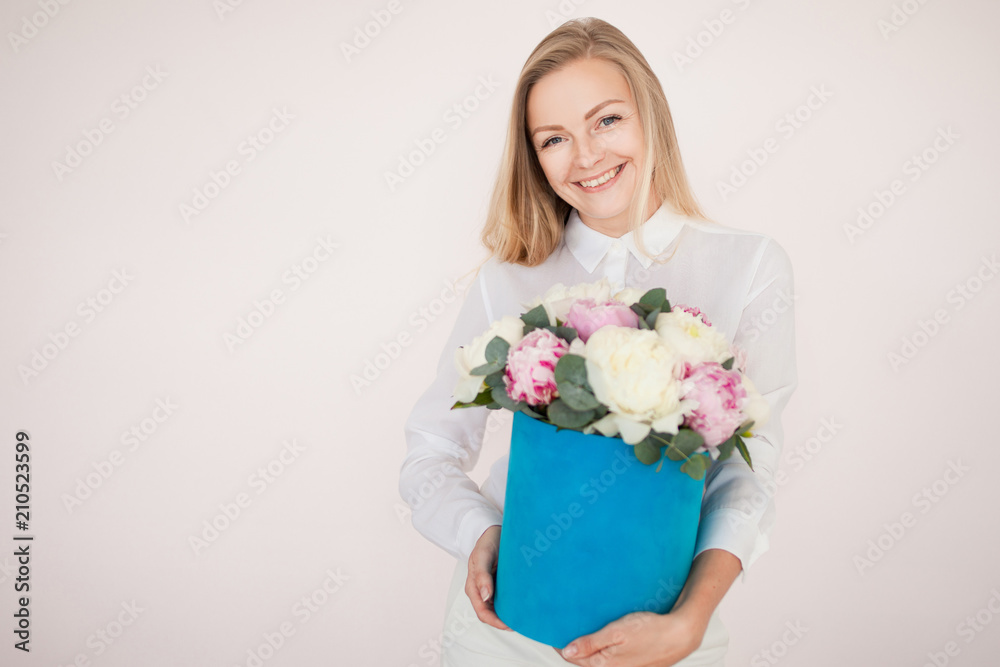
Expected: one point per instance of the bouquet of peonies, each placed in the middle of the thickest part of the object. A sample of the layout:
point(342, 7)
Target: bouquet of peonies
point(627, 365)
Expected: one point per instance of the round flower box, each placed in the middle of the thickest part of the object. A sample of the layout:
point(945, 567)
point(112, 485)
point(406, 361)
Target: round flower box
point(589, 533)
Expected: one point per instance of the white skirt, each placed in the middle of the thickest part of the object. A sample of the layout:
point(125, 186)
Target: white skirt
point(468, 642)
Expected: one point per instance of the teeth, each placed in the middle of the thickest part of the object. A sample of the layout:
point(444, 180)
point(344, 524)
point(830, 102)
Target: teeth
point(604, 178)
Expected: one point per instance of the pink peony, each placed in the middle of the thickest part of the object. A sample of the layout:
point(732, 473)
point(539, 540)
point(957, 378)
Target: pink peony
point(720, 394)
point(694, 311)
point(530, 374)
point(587, 316)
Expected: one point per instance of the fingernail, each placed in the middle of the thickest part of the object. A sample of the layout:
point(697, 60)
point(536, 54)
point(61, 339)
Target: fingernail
point(485, 592)
point(569, 651)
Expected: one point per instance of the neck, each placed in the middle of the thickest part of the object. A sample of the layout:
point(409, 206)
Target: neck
point(617, 226)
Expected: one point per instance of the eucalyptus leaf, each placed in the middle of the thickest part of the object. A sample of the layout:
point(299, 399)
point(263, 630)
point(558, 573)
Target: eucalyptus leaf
point(577, 397)
point(646, 452)
point(726, 448)
point(496, 351)
point(654, 297)
point(695, 466)
point(686, 441)
point(562, 415)
point(499, 395)
point(494, 379)
point(571, 368)
point(568, 334)
point(536, 317)
point(486, 369)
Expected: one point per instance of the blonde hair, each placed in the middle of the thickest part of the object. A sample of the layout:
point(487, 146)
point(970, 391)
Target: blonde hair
point(525, 220)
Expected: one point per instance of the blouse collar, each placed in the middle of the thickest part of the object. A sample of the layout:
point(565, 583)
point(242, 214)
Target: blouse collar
point(589, 246)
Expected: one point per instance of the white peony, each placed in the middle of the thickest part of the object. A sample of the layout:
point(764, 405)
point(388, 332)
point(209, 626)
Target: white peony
point(691, 339)
point(754, 406)
point(467, 357)
point(558, 299)
point(628, 296)
point(632, 373)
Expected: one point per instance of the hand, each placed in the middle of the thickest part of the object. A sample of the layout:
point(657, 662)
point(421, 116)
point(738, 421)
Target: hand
point(479, 585)
point(639, 639)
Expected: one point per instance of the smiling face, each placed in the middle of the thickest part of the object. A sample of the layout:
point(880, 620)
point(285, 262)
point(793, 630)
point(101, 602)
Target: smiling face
point(585, 130)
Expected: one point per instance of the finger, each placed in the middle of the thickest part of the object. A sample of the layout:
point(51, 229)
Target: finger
point(483, 608)
point(588, 645)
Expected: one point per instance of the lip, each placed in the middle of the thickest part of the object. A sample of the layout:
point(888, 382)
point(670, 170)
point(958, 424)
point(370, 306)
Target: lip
point(602, 186)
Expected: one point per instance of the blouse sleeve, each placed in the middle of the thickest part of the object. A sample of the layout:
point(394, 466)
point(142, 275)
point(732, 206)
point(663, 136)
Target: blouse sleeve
point(444, 444)
point(738, 506)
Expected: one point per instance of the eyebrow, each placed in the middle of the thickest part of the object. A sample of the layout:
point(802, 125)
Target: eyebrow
point(585, 117)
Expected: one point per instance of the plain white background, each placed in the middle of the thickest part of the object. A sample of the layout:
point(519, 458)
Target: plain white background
point(327, 524)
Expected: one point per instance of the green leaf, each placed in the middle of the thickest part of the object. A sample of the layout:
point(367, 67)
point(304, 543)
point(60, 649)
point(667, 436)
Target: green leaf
point(562, 415)
point(577, 397)
point(496, 352)
point(528, 410)
point(695, 466)
point(536, 317)
point(686, 441)
point(499, 395)
point(486, 369)
point(485, 397)
point(726, 448)
point(568, 334)
point(639, 309)
point(740, 445)
point(651, 317)
point(571, 368)
point(495, 379)
point(655, 297)
point(647, 452)
point(728, 363)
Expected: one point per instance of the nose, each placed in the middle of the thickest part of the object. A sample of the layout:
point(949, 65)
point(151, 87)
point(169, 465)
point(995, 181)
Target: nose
point(589, 151)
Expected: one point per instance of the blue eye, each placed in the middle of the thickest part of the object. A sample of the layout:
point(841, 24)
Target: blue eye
point(615, 118)
point(546, 142)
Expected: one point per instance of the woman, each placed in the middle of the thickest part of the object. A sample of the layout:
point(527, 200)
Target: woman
point(592, 185)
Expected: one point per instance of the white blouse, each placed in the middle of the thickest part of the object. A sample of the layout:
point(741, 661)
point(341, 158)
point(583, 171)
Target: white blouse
point(741, 281)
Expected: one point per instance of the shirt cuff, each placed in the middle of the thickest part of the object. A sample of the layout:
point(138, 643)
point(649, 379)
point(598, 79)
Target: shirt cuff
point(472, 526)
point(730, 529)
